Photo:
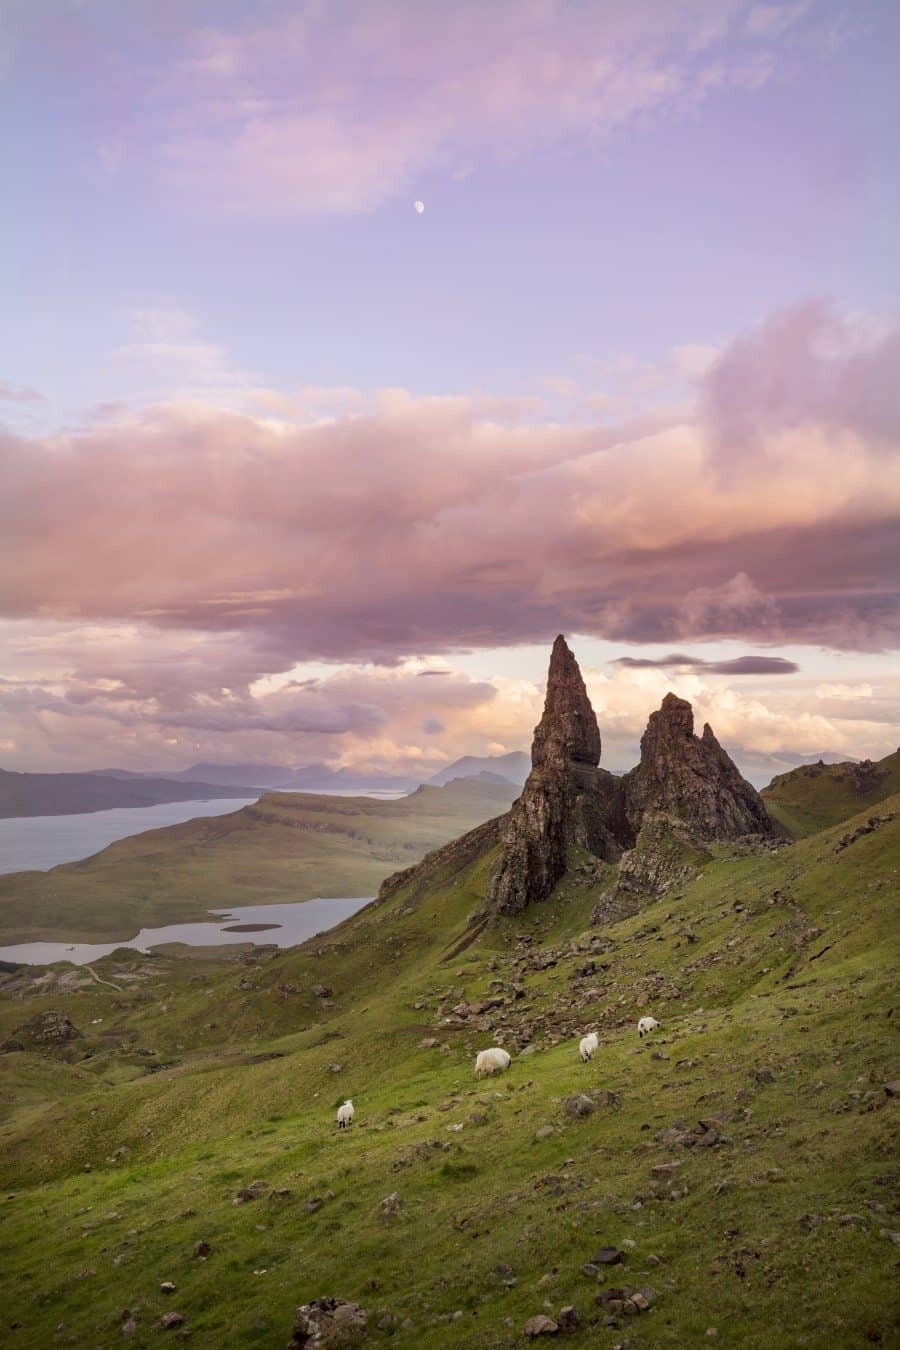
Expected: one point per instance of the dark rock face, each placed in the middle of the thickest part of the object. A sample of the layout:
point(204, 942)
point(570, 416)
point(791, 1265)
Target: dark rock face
point(684, 793)
point(568, 729)
point(566, 800)
point(692, 779)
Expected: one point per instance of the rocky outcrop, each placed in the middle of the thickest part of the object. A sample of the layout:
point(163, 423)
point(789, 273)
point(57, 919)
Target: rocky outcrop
point(655, 821)
point(685, 793)
point(692, 779)
point(567, 798)
point(48, 1028)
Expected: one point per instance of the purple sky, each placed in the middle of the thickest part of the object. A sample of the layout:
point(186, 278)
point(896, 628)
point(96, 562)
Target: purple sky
point(278, 446)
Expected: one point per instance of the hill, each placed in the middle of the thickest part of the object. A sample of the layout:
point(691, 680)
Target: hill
point(515, 766)
point(770, 976)
point(62, 794)
point(730, 1179)
point(815, 796)
point(305, 778)
point(286, 846)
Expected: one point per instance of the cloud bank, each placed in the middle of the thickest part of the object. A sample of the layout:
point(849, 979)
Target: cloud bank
point(209, 551)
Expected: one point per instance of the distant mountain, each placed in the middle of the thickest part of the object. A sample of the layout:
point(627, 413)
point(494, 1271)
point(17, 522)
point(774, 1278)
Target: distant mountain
point(514, 767)
point(305, 778)
point(65, 794)
point(814, 796)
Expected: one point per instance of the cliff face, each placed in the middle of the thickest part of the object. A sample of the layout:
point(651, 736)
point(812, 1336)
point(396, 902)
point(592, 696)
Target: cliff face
point(567, 798)
point(692, 779)
point(685, 791)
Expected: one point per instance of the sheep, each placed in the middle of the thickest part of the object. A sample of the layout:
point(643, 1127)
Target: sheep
point(646, 1025)
point(494, 1060)
point(345, 1115)
point(588, 1045)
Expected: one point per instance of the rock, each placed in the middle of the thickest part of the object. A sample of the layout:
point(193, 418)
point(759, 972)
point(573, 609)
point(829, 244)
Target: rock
point(251, 1192)
point(202, 1249)
point(129, 1327)
point(579, 1106)
point(328, 1322)
point(691, 779)
point(568, 1318)
point(544, 1132)
point(892, 1089)
point(763, 1075)
point(654, 1260)
point(322, 990)
point(390, 1206)
point(48, 1028)
point(167, 1287)
point(171, 1320)
point(540, 1326)
point(608, 1256)
point(566, 800)
point(428, 1042)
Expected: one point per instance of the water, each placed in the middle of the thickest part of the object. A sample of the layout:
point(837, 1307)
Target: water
point(281, 925)
point(41, 842)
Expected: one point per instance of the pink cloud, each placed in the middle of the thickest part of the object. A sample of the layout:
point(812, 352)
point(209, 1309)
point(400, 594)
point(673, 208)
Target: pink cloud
point(303, 114)
point(423, 525)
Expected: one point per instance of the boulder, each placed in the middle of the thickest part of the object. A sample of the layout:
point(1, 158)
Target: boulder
point(540, 1325)
point(328, 1322)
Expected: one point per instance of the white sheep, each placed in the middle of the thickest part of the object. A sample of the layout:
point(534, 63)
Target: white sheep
point(588, 1045)
point(494, 1060)
point(646, 1025)
point(345, 1115)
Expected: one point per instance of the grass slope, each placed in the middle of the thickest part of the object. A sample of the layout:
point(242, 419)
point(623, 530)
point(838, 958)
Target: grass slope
point(286, 846)
point(771, 976)
point(818, 795)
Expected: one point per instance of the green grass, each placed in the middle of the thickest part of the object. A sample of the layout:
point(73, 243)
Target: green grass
point(783, 962)
point(816, 796)
point(287, 846)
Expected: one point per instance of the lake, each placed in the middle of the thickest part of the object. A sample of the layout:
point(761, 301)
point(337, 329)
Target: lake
point(41, 842)
point(281, 925)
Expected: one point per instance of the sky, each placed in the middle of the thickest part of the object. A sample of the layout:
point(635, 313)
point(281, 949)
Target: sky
point(294, 472)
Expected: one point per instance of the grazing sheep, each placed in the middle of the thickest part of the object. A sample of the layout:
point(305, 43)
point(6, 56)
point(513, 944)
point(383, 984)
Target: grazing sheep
point(588, 1045)
point(494, 1060)
point(345, 1116)
point(646, 1025)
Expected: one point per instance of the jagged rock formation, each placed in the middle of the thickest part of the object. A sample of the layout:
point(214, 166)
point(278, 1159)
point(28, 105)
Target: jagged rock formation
point(567, 798)
point(684, 793)
point(656, 821)
point(691, 778)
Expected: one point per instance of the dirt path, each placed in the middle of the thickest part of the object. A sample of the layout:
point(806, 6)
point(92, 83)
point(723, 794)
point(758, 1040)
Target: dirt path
point(100, 980)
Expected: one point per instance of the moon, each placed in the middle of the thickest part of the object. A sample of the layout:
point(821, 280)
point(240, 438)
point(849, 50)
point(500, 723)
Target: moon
point(418, 207)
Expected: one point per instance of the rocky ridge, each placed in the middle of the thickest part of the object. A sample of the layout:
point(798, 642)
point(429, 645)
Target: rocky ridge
point(655, 821)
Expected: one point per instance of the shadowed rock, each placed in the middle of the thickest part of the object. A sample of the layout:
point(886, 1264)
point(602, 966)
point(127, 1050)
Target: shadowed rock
point(566, 800)
point(692, 779)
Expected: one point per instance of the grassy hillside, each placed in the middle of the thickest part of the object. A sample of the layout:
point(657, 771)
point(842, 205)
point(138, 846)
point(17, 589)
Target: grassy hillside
point(772, 1222)
point(818, 795)
point(287, 846)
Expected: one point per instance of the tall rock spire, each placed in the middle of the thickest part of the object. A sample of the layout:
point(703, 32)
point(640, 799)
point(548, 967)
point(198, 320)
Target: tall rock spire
point(566, 800)
point(568, 728)
point(684, 793)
